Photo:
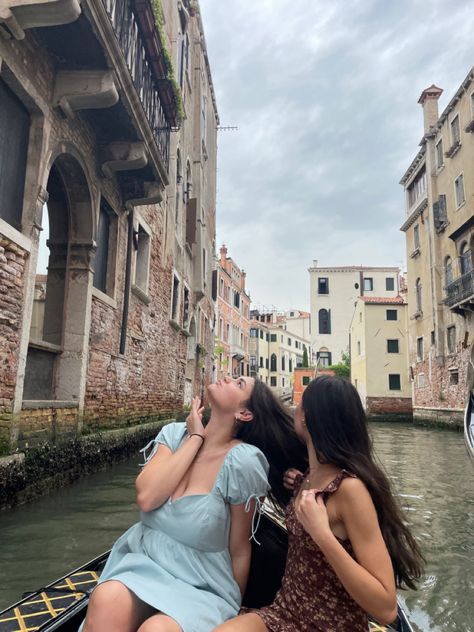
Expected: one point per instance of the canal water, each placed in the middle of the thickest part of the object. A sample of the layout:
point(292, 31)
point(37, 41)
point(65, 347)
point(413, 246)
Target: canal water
point(430, 469)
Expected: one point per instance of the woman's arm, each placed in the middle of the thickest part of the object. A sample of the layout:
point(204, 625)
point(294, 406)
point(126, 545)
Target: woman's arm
point(162, 474)
point(240, 547)
point(369, 579)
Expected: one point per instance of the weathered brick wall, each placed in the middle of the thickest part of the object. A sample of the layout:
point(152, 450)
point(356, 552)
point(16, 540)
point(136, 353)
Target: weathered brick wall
point(12, 268)
point(389, 406)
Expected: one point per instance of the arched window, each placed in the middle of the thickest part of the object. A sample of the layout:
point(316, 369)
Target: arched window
point(324, 321)
point(448, 271)
point(418, 295)
point(273, 362)
point(465, 260)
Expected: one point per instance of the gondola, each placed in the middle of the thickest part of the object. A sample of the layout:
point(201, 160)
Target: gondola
point(61, 605)
point(469, 424)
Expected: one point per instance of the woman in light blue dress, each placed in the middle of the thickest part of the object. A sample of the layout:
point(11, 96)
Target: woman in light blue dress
point(184, 566)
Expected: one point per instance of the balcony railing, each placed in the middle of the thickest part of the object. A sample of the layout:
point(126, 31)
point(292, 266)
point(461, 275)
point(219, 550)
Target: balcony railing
point(124, 18)
point(461, 290)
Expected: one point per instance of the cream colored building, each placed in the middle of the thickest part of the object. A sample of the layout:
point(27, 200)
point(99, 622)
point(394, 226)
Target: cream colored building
point(274, 355)
point(334, 291)
point(439, 229)
point(379, 355)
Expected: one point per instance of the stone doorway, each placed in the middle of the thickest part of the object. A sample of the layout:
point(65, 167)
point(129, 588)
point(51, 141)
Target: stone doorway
point(58, 343)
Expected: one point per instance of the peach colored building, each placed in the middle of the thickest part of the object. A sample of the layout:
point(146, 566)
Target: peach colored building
point(232, 321)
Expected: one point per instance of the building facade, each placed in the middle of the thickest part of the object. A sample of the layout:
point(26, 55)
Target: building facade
point(233, 319)
point(439, 230)
point(108, 127)
point(275, 352)
point(334, 290)
point(379, 356)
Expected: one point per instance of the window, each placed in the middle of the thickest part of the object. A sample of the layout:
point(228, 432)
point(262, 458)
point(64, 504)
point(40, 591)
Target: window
point(433, 338)
point(448, 271)
point(261, 334)
point(142, 245)
point(416, 236)
point(253, 333)
point(394, 382)
point(186, 308)
point(465, 261)
point(204, 123)
point(236, 299)
point(283, 367)
point(451, 336)
point(273, 362)
point(14, 138)
point(175, 299)
point(418, 295)
point(392, 314)
point(273, 381)
point(324, 321)
point(421, 380)
point(389, 284)
point(368, 284)
point(267, 337)
point(104, 256)
point(323, 358)
point(453, 377)
point(283, 382)
point(204, 266)
point(305, 380)
point(455, 135)
point(392, 346)
point(266, 363)
point(227, 332)
point(261, 362)
point(290, 365)
point(417, 188)
point(289, 342)
point(419, 349)
point(439, 154)
point(273, 337)
point(323, 285)
point(358, 347)
point(459, 190)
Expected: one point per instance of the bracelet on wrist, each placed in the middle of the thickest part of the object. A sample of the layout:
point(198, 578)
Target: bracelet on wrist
point(196, 434)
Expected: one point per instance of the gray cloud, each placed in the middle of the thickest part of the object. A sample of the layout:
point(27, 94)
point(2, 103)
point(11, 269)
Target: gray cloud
point(325, 97)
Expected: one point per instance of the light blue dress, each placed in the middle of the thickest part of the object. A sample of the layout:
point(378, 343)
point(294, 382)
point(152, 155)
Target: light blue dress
point(177, 557)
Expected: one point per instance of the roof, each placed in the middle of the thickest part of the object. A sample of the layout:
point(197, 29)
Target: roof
point(383, 300)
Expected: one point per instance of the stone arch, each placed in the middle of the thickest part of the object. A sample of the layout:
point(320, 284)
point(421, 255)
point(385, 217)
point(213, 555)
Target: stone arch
point(57, 357)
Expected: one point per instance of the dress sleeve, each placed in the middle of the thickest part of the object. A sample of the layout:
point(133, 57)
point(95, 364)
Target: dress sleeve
point(246, 475)
point(170, 436)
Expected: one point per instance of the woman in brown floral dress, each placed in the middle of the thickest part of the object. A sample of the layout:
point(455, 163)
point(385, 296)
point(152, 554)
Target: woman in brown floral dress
point(348, 546)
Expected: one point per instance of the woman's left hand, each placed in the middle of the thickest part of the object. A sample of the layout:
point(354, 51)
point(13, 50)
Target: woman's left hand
point(312, 514)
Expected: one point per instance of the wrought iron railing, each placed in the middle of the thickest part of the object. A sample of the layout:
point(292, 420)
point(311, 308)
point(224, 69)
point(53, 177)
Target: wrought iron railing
point(462, 289)
point(124, 22)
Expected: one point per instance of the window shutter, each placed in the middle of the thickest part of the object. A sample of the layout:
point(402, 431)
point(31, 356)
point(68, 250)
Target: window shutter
point(191, 217)
point(330, 358)
point(214, 285)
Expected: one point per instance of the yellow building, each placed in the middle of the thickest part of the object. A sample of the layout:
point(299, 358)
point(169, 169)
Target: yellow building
point(439, 229)
point(379, 355)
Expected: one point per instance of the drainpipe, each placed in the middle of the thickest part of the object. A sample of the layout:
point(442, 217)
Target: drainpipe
point(128, 278)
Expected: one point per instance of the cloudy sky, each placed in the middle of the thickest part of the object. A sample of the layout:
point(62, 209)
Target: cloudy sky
point(324, 93)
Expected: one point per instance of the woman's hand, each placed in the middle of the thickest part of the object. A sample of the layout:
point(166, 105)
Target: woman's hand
point(194, 419)
point(312, 514)
point(289, 477)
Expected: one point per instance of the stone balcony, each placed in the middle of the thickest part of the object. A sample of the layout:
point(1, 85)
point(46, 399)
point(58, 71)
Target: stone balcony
point(460, 293)
point(238, 352)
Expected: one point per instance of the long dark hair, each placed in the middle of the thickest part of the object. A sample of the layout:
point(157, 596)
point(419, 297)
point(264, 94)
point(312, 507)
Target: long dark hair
point(337, 424)
point(272, 431)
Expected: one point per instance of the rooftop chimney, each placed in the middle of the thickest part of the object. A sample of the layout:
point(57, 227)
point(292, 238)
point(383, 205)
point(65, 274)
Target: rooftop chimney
point(223, 252)
point(429, 102)
point(243, 274)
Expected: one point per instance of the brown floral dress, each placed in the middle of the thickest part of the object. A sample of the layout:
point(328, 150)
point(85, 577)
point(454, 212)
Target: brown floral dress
point(311, 597)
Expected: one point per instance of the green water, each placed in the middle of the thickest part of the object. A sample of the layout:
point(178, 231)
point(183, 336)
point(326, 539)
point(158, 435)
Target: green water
point(430, 468)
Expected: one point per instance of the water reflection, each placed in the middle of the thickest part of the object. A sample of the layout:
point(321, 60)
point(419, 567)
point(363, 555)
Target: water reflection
point(429, 468)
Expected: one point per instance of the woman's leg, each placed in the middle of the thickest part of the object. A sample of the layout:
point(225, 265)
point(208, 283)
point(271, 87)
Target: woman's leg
point(250, 622)
point(115, 608)
point(160, 623)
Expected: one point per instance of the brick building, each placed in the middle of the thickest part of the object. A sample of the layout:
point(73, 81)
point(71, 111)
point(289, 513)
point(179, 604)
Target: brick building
point(233, 325)
point(108, 148)
point(439, 230)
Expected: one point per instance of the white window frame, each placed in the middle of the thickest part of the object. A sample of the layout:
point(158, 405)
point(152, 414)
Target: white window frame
point(420, 357)
point(459, 204)
point(178, 301)
point(439, 144)
point(140, 222)
point(453, 141)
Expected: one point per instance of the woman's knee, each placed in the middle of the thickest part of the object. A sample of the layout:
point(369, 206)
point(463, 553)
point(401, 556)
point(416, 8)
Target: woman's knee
point(110, 593)
point(160, 623)
point(110, 608)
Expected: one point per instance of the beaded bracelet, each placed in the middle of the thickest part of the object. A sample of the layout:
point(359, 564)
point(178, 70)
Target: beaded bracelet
point(196, 434)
